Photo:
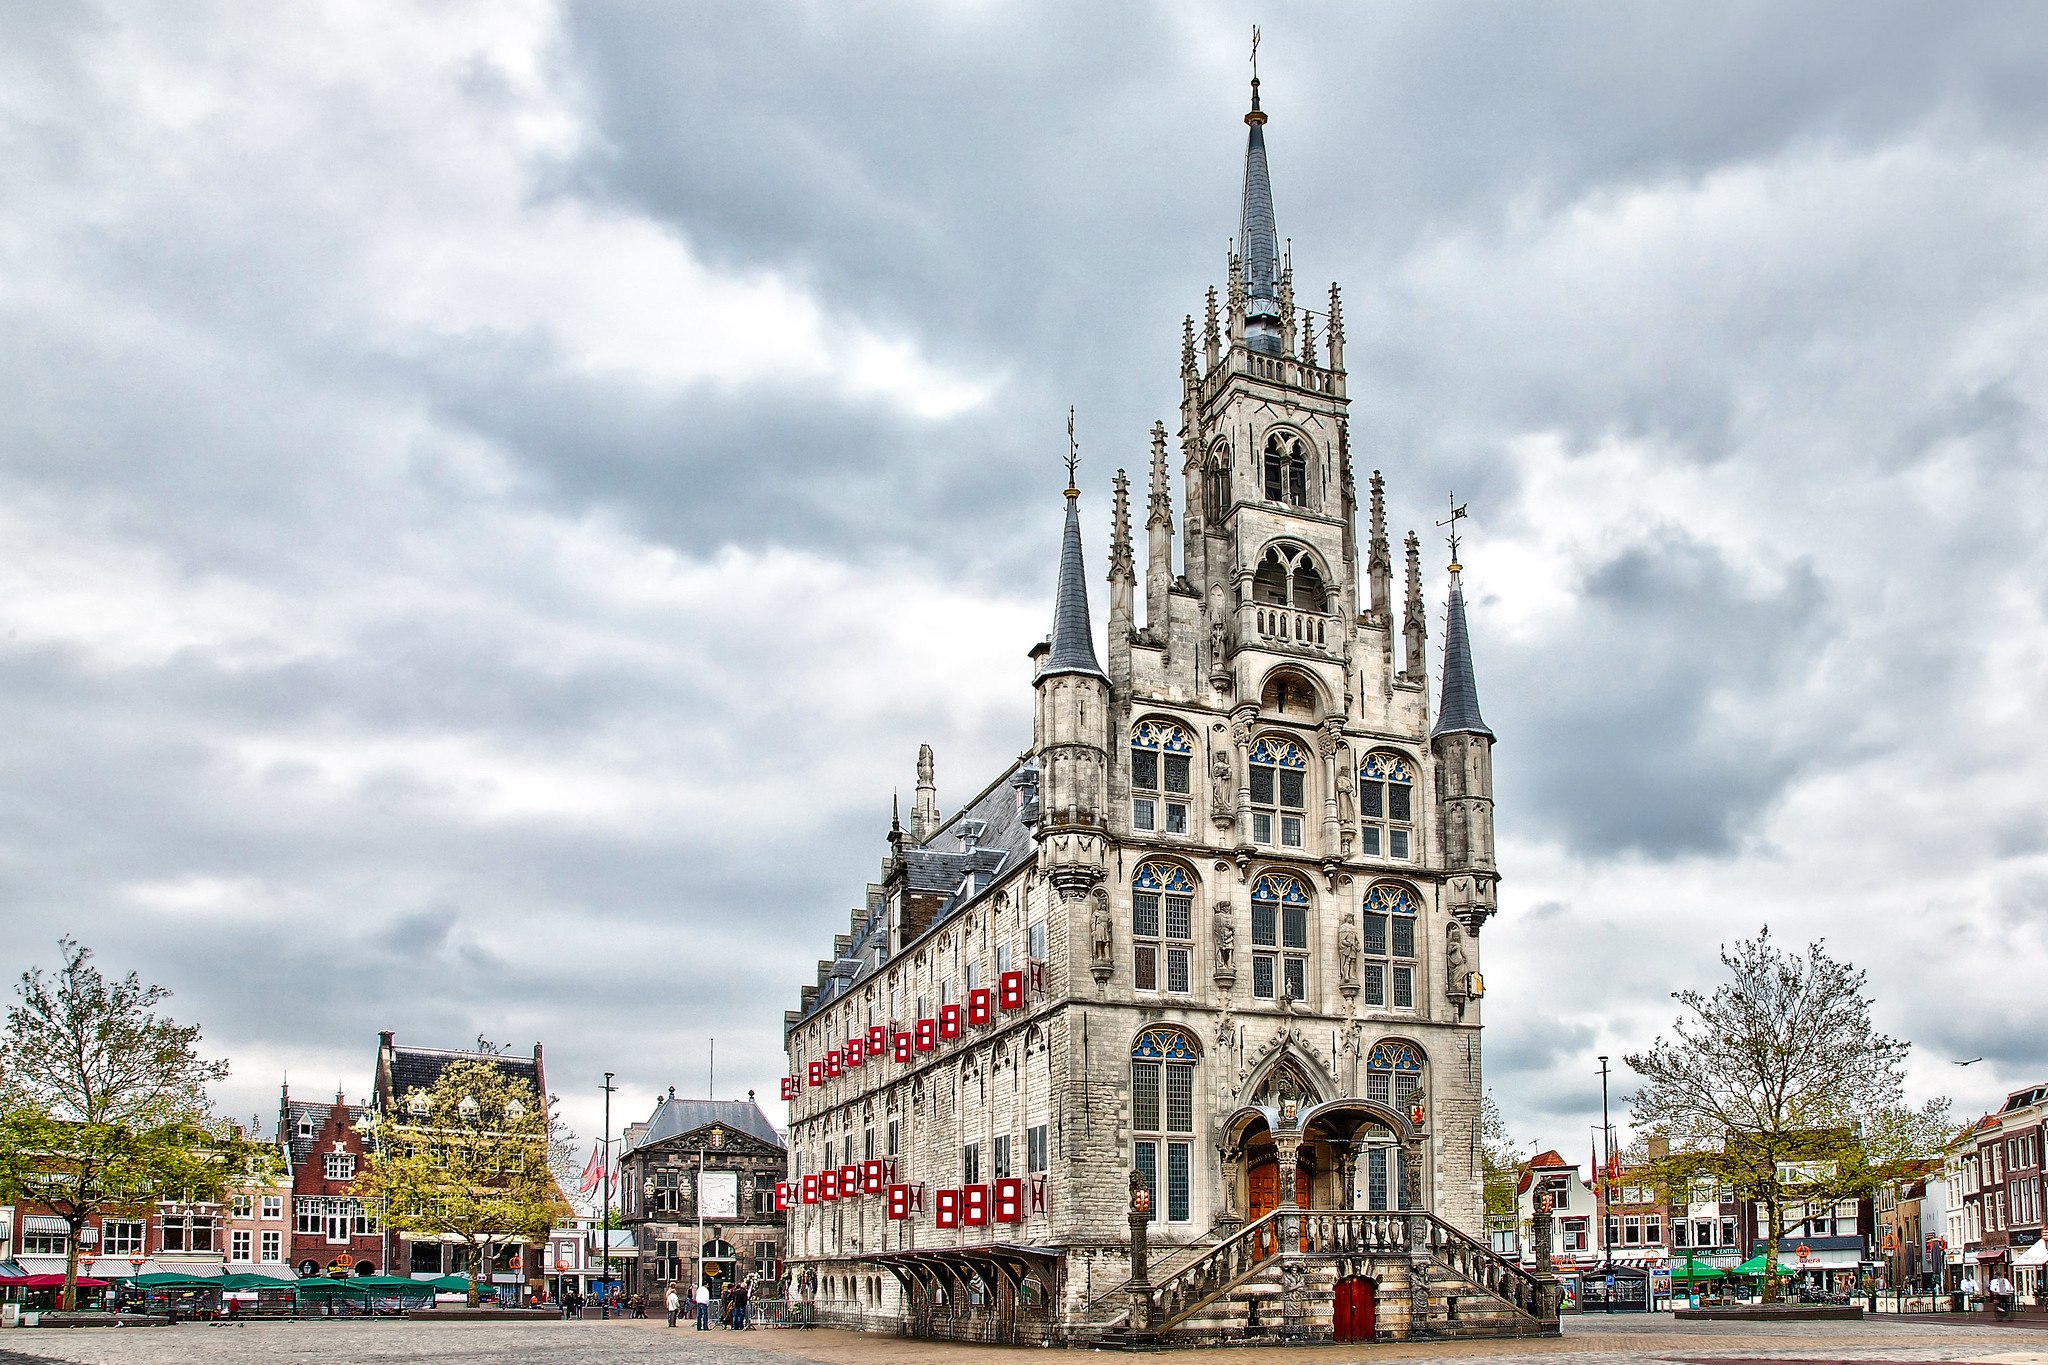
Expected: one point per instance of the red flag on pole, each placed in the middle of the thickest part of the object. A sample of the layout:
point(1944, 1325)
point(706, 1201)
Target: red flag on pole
point(593, 1172)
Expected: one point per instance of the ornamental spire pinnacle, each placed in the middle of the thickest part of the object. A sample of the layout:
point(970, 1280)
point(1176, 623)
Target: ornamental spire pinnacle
point(1458, 710)
point(1258, 239)
point(1073, 635)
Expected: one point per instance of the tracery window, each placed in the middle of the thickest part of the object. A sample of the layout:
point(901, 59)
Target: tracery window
point(1389, 965)
point(1163, 1118)
point(1286, 470)
point(1162, 928)
point(1393, 1073)
point(1279, 937)
point(1161, 753)
point(1386, 805)
point(1287, 577)
point(1279, 791)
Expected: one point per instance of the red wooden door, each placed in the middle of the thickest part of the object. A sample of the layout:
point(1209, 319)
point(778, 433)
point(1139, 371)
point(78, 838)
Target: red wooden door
point(1263, 1196)
point(1355, 1309)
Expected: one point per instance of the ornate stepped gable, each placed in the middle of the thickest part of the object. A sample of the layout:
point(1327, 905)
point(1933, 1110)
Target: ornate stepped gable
point(1217, 927)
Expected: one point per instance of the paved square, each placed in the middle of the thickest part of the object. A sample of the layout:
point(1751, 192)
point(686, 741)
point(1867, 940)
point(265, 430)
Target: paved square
point(631, 1342)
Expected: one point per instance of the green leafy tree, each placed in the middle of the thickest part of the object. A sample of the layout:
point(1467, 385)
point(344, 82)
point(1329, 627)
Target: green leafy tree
point(1779, 1086)
point(470, 1160)
point(103, 1102)
point(1500, 1162)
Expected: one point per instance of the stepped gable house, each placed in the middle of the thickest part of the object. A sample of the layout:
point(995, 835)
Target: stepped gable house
point(1210, 947)
point(324, 1147)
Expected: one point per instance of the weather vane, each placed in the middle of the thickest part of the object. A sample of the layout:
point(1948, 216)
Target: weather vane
point(1457, 515)
point(1255, 52)
point(1073, 454)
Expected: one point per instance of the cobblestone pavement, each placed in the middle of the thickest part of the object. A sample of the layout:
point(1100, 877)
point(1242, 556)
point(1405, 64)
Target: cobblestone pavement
point(1594, 1341)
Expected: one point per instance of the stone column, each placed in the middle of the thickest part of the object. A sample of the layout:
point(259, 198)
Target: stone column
point(1241, 736)
point(1288, 1146)
point(1231, 1164)
point(1418, 1238)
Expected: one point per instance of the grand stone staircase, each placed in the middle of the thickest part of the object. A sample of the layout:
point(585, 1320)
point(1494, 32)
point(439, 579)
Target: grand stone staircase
point(1278, 1277)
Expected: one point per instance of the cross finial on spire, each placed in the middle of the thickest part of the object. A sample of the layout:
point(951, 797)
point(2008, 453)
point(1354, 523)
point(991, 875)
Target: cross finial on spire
point(1255, 117)
point(1073, 458)
point(1457, 515)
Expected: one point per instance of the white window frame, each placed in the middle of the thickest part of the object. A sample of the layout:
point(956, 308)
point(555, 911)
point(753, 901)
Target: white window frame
point(1275, 759)
point(1387, 780)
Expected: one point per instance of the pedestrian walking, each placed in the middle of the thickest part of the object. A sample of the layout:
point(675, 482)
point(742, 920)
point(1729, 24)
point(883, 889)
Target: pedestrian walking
point(739, 1308)
point(675, 1303)
point(703, 1306)
point(2002, 1297)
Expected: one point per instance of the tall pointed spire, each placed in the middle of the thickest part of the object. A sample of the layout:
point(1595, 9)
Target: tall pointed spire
point(1258, 238)
point(1073, 636)
point(1458, 712)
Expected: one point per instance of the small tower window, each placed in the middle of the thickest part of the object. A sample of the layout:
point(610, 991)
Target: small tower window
point(1390, 947)
point(1386, 806)
point(1160, 755)
point(1286, 471)
point(1279, 791)
point(1279, 937)
point(1162, 928)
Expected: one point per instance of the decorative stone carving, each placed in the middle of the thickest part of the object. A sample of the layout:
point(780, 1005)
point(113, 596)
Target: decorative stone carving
point(1457, 964)
point(1222, 793)
point(1347, 802)
point(1101, 940)
point(1225, 934)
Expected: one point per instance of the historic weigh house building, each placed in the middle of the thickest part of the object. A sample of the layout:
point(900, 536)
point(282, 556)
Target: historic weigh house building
point(1209, 949)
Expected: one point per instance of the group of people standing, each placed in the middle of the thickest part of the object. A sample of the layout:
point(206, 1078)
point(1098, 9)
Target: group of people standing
point(730, 1301)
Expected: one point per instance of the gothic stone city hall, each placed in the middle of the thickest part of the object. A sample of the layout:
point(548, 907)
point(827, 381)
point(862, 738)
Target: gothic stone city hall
point(1209, 949)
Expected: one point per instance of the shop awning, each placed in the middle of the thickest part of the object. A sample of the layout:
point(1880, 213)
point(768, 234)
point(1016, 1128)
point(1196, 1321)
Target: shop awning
point(49, 1282)
point(1698, 1271)
point(2037, 1254)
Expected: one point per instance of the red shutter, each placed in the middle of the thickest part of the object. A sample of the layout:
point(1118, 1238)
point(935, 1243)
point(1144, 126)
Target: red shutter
point(981, 1005)
point(781, 1195)
point(817, 1073)
point(949, 1021)
point(902, 1047)
point(899, 1202)
point(1010, 990)
point(927, 1034)
point(789, 1087)
point(871, 1180)
point(856, 1051)
point(849, 1181)
point(828, 1184)
point(878, 1040)
point(946, 1208)
point(1010, 1201)
point(810, 1189)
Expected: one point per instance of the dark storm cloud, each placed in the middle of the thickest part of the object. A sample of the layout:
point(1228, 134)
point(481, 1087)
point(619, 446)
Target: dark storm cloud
point(435, 602)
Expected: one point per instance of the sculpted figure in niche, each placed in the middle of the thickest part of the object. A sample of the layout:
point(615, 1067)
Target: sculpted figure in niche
point(1455, 959)
point(1221, 804)
point(1226, 938)
point(1219, 645)
point(1098, 926)
point(1348, 948)
point(1347, 804)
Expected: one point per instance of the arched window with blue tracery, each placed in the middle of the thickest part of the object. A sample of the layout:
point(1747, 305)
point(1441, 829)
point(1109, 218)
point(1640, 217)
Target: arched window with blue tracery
point(1389, 934)
point(1279, 791)
point(1279, 936)
point(1161, 755)
point(1393, 1075)
point(1163, 1118)
point(1386, 805)
point(1162, 928)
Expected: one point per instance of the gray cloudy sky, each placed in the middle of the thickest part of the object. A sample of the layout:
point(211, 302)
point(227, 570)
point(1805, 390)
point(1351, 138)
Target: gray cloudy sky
point(494, 493)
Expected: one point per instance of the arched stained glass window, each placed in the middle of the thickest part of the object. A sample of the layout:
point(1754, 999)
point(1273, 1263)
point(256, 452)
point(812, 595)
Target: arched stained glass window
point(1161, 755)
point(1279, 937)
point(1386, 805)
point(1163, 1118)
point(1162, 928)
point(1393, 1073)
point(1279, 791)
point(1389, 934)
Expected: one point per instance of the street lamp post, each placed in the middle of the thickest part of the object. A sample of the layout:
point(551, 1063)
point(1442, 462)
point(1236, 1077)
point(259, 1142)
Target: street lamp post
point(604, 1209)
point(1606, 1185)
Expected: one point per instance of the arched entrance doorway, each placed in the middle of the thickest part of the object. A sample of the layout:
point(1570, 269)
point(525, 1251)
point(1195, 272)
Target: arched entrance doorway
point(1357, 1308)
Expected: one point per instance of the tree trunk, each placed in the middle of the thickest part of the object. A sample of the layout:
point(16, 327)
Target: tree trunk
point(474, 1256)
point(1774, 1232)
point(68, 1300)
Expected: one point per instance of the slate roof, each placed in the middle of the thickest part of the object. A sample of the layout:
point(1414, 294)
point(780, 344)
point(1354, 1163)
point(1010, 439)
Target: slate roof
point(1005, 812)
point(302, 1147)
point(417, 1068)
point(1459, 711)
point(673, 1117)
point(1073, 636)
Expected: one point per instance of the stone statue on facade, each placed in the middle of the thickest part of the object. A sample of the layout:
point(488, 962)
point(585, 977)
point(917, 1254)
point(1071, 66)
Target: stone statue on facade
point(1222, 800)
point(1219, 647)
point(1347, 801)
point(1101, 944)
point(1349, 947)
point(1456, 963)
point(1226, 940)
